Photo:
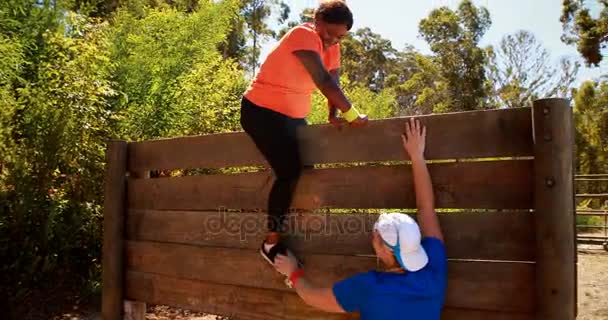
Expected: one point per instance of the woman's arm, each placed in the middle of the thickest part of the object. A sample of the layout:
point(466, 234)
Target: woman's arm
point(330, 88)
point(323, 79)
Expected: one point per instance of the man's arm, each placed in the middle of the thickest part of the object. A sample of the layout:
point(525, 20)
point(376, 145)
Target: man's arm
point(320, 298)
point(414, 144)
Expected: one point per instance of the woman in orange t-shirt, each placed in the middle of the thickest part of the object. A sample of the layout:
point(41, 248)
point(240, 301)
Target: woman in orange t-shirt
point(279, 99)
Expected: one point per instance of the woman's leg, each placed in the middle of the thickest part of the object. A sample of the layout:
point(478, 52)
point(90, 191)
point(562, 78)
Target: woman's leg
point(275, 135)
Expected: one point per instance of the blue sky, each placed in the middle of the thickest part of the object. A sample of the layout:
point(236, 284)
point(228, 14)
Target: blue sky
point(397, 20)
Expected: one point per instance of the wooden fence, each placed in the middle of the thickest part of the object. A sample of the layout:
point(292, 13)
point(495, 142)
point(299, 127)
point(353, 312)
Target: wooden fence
point(596, 238)
point(192, 240)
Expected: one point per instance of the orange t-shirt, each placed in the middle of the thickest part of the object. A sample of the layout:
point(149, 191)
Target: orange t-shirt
point(283, 84)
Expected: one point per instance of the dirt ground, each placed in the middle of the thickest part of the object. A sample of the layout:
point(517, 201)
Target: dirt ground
point(592, 294)
point(592, 284)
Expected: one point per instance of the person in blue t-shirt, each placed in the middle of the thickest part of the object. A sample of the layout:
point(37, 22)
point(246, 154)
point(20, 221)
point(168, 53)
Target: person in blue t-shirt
point(414, 282)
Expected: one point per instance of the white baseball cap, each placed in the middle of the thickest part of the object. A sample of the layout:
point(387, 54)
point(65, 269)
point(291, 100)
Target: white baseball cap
point(401, 234)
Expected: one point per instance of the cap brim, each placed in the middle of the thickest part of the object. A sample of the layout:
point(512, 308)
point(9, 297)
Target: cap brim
point(415, 260)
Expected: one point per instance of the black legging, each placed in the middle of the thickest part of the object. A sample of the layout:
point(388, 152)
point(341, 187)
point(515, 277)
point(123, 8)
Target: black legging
point(274, 134)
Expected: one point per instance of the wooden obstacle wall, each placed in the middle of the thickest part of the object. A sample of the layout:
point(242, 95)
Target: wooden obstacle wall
point(191, 241)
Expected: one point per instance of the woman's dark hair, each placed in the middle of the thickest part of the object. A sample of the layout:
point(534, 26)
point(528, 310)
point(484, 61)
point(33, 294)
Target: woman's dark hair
point(335, 12)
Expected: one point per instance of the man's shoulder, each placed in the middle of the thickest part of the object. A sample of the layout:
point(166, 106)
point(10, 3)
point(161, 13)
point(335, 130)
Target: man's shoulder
point(368, 277)
point(432, 243)
point(436, 252)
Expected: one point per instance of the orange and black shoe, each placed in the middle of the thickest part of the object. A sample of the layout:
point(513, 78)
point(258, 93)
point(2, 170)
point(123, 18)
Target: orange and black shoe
point(269, 255)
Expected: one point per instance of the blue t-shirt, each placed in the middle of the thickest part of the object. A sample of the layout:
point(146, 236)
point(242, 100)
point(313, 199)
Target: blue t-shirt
point(413, 295)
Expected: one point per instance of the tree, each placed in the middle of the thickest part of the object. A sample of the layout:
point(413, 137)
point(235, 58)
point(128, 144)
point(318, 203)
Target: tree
point(11, 61)
point(68, 84)
point(413, 79)
point(306, 16)
point(55, 122)
point(153, 53)
point(426, 90)
point(520, 70)
point(368, 58)
point(591, 120)
point(591, 125)
point(454, 37)
point(588, 33)
point(251, 24)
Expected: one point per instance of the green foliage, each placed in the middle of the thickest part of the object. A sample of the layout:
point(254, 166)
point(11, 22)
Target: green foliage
point(306, 16)
point(591, 119)
point(589, 221)
point(11, 60)
point(208, 98)
point(426, 89)
point(410, 77)
point(54, 138)
point(377, 105)
point(591, 124)
point(588, 33)
point(368, 58)
point(68, 83)
point(454, 37)
point(154, 53)
point(252, 27)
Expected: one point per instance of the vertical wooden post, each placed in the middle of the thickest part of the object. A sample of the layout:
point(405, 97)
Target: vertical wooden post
point(113, 224)
point(554, 210)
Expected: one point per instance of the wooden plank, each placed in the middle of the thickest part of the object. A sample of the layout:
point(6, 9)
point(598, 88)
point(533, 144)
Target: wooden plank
point(228, 300)
point(600, 196)
point(113, 222)
point(591, 176)
point(486, 236)
point(139, 174)
point(478, 134)
point(471, 314)
point(250, 303)
point(489, 184)
point(554, 207)
point(479, 285)
point(591, 210)
point(595, 214)
point(135, 310)
point(593, 240)
point(603, 238)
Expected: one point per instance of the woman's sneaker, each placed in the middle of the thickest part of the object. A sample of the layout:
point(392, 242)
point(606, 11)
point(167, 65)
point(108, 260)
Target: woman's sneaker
point(278, 248)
